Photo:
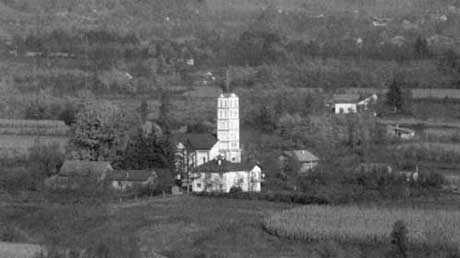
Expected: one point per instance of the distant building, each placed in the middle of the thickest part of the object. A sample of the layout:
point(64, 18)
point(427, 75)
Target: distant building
point(352, 103)
point(124, 180)
point(373, 167)
point(220, 175)
point(400, 132)
point(74, 173)
point(196, 148)
point(306, 159)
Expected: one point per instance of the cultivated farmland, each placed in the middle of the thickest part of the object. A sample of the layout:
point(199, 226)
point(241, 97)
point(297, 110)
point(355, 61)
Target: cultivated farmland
point(432, 227)
point(19, 145)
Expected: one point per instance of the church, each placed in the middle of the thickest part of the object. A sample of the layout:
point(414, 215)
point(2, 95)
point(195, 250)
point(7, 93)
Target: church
point(207, 163)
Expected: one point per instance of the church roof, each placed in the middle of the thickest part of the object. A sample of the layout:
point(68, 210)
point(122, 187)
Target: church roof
point(213, 166)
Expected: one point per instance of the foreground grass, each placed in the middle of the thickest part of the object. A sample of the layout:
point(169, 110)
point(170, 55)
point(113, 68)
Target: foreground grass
point(174, 227)
point(426, 227)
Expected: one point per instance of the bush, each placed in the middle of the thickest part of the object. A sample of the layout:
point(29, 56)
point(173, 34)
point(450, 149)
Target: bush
point(235, 189)
point(399, 239)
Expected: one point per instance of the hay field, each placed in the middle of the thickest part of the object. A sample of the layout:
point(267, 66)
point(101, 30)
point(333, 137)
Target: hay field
point(374, 225)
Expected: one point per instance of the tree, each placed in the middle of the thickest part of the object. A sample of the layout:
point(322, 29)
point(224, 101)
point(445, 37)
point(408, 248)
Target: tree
point(144, 110)
point(394, 96)
point(164, 118)
point(421, 49)
point(100, 132)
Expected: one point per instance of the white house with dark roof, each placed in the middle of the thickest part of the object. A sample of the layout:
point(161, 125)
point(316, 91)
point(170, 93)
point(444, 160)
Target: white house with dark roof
point(352, 103)
point(220, 175)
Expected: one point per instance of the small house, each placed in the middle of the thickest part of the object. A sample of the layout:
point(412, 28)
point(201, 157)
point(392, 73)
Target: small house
point(352, 103)
point(400, 132)
point(220, 175)
point(73, 173)
point(306, 159)
point(369, 167)
point(124, 180)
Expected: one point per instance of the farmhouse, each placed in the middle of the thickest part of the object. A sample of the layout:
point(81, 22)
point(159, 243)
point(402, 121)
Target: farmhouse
point(307, 160)
point(73, 173)
point(400, 132)
point(352, 103)
point(124, 180)
point(220, 175)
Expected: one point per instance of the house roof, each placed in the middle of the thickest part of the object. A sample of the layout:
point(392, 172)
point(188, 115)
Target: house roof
point(84, 168)
point(131, 175)
point(197, 141)
point(401, 129)
point(225, 166)
point(228, 95)
point(301, 155)
point(346, 98)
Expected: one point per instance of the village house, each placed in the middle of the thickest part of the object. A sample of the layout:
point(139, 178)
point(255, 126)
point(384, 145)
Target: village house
point(220, 175)
point(306, 159)
point(400, 132)
point(125, 180)
point(74, 173)
point(352, 103)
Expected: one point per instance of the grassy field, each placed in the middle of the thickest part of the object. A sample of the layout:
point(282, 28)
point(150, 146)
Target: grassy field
point(430, 227)
point(186, 226)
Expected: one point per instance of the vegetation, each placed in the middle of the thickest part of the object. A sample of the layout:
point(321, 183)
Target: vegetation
point(429, 227)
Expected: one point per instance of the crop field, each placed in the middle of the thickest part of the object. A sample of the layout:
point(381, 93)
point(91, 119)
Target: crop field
point(19, 145)
point(432, 227)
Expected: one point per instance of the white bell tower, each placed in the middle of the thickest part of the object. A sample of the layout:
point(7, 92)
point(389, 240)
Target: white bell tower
point(228, 127)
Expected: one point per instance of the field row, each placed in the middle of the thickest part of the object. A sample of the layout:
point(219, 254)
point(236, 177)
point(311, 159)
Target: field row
point(432, 227)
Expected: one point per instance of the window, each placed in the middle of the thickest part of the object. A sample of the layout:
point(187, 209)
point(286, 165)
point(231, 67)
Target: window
point(198, 185)
point(204, 160)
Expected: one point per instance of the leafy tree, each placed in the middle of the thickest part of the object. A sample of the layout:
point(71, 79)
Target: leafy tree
point(394, 97)
point(68, 114)
point(100, 132)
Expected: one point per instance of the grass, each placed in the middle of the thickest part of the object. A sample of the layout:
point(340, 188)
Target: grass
point(426, 227)
point(182, 226)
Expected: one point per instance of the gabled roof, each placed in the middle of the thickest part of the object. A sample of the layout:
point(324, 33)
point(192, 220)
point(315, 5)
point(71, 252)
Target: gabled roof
point(131, 175)
point(346, 98)
point(225, 166)
point(84, 168)
point(301, 155)
point(197, 141)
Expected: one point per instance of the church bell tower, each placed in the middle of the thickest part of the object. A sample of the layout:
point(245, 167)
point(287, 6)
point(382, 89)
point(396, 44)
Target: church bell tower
point(228, 125)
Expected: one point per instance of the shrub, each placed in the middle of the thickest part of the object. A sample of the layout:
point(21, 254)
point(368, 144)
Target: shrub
point(399, 239)
point(235, 189)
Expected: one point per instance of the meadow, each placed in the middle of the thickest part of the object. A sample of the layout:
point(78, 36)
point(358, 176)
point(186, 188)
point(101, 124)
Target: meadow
point(374, 225)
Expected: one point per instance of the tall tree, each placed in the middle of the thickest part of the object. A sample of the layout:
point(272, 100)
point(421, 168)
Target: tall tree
point(394, 97)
